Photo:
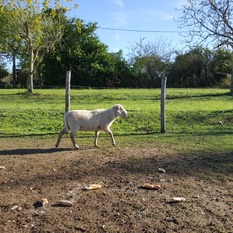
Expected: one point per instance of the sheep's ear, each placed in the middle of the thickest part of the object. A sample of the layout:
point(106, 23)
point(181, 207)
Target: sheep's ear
point(117, 107)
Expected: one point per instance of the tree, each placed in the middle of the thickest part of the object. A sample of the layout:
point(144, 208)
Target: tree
point(221, 66)
point(191, 69)
point(79, 49)
point(148, 70)
point(32, 28)
point(91, 63)
point(201, 67)
point(123, 70)
point(116, 71)
point(150, 61)
point(3, 72)
point(209, 21)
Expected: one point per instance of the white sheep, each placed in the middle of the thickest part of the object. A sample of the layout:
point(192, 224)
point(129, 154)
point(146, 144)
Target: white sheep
point(83, 120)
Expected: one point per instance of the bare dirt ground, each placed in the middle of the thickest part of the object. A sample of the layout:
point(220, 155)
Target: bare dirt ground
point(32, 169)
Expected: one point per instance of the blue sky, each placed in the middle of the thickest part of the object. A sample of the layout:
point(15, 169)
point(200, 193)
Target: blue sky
point(148, 15)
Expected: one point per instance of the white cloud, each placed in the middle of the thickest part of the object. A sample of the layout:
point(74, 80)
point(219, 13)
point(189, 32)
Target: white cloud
point(151, 15)
point(119, 3)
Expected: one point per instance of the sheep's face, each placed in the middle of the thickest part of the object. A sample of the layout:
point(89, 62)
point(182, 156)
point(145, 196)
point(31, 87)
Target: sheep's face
point(120, 111)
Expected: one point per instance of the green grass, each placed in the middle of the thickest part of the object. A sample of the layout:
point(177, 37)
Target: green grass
point(193, 116)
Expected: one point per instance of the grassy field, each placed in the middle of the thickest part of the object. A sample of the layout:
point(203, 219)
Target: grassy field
point(195, 117)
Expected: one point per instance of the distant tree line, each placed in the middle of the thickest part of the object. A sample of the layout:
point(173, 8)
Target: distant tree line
point(92, 65)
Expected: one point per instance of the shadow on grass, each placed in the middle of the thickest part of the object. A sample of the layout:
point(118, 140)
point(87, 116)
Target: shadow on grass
point(197, 96)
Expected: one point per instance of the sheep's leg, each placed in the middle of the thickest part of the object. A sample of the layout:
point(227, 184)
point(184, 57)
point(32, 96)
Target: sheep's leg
point(111, 135)
point(60, 136)
point(96, 138)
point(72, 135)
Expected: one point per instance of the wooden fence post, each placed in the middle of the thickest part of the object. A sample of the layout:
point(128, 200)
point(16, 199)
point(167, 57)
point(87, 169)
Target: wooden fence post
point(68, 77)
point(163, 102)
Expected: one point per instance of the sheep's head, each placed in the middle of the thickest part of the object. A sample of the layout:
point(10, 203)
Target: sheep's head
point(120, 111)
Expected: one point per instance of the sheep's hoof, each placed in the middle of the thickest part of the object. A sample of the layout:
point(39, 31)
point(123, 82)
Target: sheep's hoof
point(56, 146)
point(76, 147)
point(97, 146)
point(114, 144)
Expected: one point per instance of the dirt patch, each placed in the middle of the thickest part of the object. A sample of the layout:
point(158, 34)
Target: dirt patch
point(34, 169)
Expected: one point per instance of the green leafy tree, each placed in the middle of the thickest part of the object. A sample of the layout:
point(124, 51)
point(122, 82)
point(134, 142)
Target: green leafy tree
point(200, 67)
point(79, 50)
point(3, 73)
point(116, 72)
point(148, 70)
point(222, 66)
point(191, 69)
point(89, 59)
point(32, 28)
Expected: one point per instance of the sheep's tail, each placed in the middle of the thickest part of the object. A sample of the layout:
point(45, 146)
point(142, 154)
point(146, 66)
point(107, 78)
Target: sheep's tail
point(66, 124)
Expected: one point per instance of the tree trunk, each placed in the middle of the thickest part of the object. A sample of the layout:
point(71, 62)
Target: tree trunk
point(14, 68)
point(30, 77)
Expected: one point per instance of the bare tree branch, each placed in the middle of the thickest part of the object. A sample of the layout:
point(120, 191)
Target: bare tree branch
point(208, 21)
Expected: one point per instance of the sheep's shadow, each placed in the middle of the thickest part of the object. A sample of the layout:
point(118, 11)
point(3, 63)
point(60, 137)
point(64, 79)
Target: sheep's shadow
point(30, 151)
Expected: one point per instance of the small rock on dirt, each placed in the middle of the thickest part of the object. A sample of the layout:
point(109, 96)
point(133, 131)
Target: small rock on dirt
point(177, 200)
point(65, 203)
point(161, 170)
point(92, 187)
point(150, 186)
